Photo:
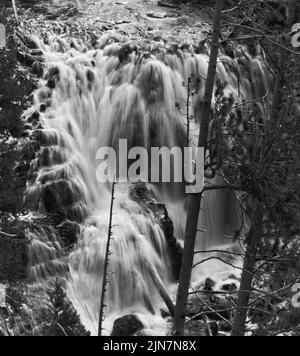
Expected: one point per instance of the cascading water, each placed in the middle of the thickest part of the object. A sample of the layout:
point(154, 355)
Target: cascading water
point(92, 97)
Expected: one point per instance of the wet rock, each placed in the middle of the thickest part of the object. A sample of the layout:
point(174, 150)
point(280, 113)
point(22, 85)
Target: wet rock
point(44, 95)
point(90, 76)
point(35, 116)
point(27, 127)
point(57, 218)
point(43, 107)
point(52, 72)
point(51, 83)
point(125, 52)
point(25, 59)
point(127, 325)
point(209, 284)
point(37, 69)
point(69, 232)
point(230, 287)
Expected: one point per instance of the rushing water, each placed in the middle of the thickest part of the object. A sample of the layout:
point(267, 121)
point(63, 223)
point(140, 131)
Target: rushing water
point(96, 97)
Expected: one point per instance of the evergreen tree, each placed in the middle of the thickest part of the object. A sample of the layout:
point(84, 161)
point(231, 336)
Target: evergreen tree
point(64, 318)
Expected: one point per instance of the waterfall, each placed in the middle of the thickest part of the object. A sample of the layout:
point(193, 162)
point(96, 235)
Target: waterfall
point(90, 97)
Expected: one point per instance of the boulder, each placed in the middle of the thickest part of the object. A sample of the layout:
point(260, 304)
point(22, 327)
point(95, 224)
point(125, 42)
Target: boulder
point(69, 232)
point(209, 284)
point(229, 287)
point(127, 325)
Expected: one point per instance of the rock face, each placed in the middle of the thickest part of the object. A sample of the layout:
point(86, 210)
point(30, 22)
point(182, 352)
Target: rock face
point(127, 325)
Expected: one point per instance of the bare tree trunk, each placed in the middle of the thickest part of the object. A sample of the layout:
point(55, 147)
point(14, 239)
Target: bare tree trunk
point(106, 262)
point(15, 11)
point(253, 239)
point(194, 202)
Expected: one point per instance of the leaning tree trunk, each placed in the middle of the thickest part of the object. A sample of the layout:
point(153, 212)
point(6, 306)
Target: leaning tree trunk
point(253, 240)
point(15, 11)
point(194, 202)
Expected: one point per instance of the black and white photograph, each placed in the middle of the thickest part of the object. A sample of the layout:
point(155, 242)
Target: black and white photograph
point(150, 170)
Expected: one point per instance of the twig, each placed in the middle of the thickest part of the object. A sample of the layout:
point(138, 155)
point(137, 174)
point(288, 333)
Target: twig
point(233, 8)
point(267, 37)
point(220, 259)
point(212, 310)
point(220, 251)
point(15, 11)
point(231, 309)
point(7, 235)
point(222, 187)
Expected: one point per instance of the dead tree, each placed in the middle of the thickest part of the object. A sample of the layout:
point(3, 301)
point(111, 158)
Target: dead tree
point(194, 202)
point(106, 262)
